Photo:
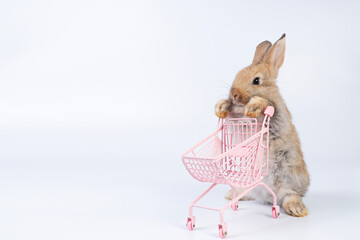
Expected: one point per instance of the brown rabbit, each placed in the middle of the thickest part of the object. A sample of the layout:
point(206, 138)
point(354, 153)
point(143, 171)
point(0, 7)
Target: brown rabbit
point(253, 89)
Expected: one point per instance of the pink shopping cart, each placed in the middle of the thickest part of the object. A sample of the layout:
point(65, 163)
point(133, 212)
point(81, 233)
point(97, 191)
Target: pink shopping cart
point(236, 154)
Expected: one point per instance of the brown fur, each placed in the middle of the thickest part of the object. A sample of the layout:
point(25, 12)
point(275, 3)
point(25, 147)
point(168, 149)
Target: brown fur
point(288, 175)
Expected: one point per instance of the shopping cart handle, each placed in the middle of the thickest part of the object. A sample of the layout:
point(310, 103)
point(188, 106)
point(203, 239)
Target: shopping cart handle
point(269, 111)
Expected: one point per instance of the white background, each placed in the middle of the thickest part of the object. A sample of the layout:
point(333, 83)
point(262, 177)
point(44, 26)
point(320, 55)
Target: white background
point(98, 99)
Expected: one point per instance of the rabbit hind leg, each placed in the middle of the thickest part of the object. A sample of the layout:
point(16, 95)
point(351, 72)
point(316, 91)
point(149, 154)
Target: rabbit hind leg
point(293, 205)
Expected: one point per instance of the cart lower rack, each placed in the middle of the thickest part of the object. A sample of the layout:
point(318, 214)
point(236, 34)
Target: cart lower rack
point(236, 154)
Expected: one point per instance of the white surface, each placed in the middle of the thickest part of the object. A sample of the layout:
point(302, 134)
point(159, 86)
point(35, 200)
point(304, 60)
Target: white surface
point(72, 185)
point(98, 100)
point(83, 212)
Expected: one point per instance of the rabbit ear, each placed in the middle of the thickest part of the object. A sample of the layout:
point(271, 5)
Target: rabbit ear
point(276, 54)
point(260, 52)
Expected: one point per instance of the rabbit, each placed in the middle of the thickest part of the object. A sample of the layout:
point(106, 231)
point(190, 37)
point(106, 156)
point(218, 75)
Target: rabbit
point(253, 89)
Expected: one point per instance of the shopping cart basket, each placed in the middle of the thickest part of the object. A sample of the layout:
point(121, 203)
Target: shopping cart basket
point(236, 154)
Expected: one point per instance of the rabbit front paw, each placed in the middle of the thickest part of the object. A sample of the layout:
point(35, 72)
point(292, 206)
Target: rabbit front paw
point(222, 108)
point(255, 106)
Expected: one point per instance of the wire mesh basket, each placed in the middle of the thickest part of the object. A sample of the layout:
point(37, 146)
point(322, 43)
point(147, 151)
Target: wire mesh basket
point(231, 155)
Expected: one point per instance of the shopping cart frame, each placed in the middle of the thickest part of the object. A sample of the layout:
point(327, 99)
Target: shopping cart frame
point(222, 179)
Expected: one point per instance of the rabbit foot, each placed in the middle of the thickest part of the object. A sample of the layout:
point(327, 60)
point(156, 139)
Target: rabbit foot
point(230, 195)
point(294, 206)
point(255, 106)
point(222, 108)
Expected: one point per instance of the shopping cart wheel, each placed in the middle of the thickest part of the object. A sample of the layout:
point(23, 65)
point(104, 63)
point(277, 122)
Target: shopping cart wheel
point(235, 206)
point(190, 223)
point(222, 230)
point(276, 211)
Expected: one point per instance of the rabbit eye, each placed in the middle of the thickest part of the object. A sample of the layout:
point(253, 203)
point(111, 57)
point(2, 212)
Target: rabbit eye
point(256, 81)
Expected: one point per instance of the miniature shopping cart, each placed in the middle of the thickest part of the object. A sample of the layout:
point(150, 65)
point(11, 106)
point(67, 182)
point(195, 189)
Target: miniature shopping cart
point(236, 154)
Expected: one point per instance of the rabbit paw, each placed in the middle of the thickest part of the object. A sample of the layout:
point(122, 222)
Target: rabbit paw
point(255, 106)
point(222, 108)
point(294, 206)
point(230, 195)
